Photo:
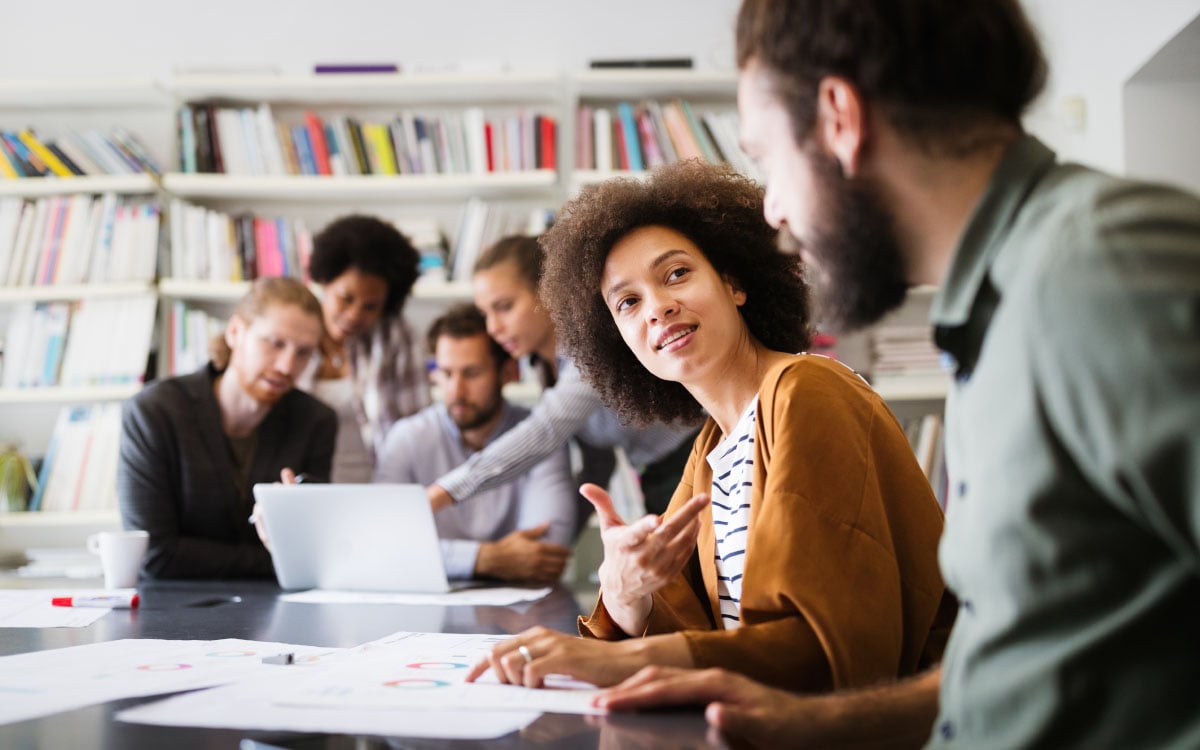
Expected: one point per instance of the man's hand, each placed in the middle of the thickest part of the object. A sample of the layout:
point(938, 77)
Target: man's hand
point(519, 556)
point(642, 557)
point(895, 716)
point(438, 497)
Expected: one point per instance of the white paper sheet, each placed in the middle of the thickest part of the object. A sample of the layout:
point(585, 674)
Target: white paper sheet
point(31, 608)
point(46, 682)
point(247, 705)
point(499, 596)
point(426, 670)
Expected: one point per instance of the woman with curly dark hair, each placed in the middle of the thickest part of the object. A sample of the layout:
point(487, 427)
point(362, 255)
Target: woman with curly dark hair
point(371, 370)
point(814, 566)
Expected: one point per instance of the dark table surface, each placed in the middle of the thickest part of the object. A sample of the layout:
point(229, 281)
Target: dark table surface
point(205, 611)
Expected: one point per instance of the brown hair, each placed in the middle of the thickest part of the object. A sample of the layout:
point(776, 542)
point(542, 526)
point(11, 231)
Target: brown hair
point(521, 250)
point(714, 207)
point(938, 69)
point(265, 293)
point(462, 322)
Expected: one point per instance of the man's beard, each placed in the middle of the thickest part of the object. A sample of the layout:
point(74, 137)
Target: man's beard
point(859, 273)
point(476, 417)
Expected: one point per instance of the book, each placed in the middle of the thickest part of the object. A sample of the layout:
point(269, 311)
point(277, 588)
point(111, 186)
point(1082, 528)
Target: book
point(205, 163)
point(641, 62)
point(649, 138)
point(356, 68)
point(30, 164)
point(9, 168)
point(304, 153)
point(53, 164)
point(602, 134)
point(547, 146)
point(317, 143)
point(71, 145)
point(185, 126)
point(66, 160)
point(629, 138)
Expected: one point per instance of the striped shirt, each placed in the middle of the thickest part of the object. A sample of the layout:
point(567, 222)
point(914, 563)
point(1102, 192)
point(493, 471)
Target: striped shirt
point(570, 408)
point(732, 463)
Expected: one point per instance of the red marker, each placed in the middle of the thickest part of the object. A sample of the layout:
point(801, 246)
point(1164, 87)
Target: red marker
point(110, 601)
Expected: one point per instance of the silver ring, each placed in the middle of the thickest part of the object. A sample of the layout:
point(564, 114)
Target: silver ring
point(524, 651)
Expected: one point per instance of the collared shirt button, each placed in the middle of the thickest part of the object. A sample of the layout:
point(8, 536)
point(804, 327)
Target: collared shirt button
point(946, 729)
point(961, 489)
point(968, 607)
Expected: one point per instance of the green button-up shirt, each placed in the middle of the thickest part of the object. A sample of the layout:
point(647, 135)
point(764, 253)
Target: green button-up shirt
point(1072, 310)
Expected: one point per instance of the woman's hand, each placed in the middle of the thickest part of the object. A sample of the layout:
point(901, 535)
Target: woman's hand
point(529, 657)
point(642, 557)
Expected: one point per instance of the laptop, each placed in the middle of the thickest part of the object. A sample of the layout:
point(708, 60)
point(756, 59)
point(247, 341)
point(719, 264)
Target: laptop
point(353, 537)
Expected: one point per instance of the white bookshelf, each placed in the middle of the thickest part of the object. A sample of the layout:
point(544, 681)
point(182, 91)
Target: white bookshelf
point(653, 83)
point(32, 187)
point(74, 395)
point(360, 187)
point(231, 291)
point(57, 292)
point(401, 89)
point(81, 92)
point(906, 388)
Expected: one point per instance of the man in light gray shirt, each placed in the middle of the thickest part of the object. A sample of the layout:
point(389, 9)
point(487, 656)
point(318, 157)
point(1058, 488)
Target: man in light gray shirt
point(518, 531)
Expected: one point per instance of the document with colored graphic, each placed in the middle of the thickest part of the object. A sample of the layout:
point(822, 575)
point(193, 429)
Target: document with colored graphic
point(46, 682)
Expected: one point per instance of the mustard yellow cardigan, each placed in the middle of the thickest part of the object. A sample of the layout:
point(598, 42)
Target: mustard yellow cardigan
point(841, 585)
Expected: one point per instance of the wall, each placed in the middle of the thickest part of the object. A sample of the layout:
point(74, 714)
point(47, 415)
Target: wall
point(1094, 45)
point(1162, 121)
point(153, 38)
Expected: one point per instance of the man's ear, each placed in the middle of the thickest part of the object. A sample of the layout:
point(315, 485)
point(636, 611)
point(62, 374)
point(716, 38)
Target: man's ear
point(841, 121)
point(234, 330)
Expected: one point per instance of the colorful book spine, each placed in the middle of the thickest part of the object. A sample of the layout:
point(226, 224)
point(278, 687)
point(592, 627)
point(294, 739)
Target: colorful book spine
point(629, 137)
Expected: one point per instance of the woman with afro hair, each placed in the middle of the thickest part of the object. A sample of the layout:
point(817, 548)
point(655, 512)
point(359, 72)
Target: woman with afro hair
point(813, 566)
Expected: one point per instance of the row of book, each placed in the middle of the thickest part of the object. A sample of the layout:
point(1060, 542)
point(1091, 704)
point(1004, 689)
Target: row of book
point(74, 154)
point(482, 223)
point(209, 245)
point(190, 330)
point(927, 438)
point(88, 342)
point(904, 350)
point(74, 239)
point(649, 134)
point(251, 141)
point(79, 471)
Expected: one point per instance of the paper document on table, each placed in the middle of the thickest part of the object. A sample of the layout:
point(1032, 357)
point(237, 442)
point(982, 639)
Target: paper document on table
point(248, 705)
point(427, 670)
point(46, 682)
point(499, 596)
point(31, 608)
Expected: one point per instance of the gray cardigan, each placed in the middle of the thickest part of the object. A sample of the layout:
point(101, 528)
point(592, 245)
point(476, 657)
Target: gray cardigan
point(176, 479)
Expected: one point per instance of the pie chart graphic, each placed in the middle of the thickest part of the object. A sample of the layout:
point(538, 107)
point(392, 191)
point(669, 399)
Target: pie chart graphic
point(436, 666)
point(164, 667)
point(416, 684)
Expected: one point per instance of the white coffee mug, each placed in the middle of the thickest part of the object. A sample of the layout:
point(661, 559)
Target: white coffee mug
point(121, 554)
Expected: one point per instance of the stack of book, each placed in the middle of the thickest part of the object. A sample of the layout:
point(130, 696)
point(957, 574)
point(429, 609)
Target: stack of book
point(91, 342)
point(483, 223)
point(926, 436)
point(904, 351)
point(79, 471)
point(646, 135)
point(189, 332)
point(91, 152)
point(250, 141)
point(75, 239)
point(209, 245)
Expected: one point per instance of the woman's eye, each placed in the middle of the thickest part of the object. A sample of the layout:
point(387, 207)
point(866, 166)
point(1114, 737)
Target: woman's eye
point(624, 303)
point(677, 273)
